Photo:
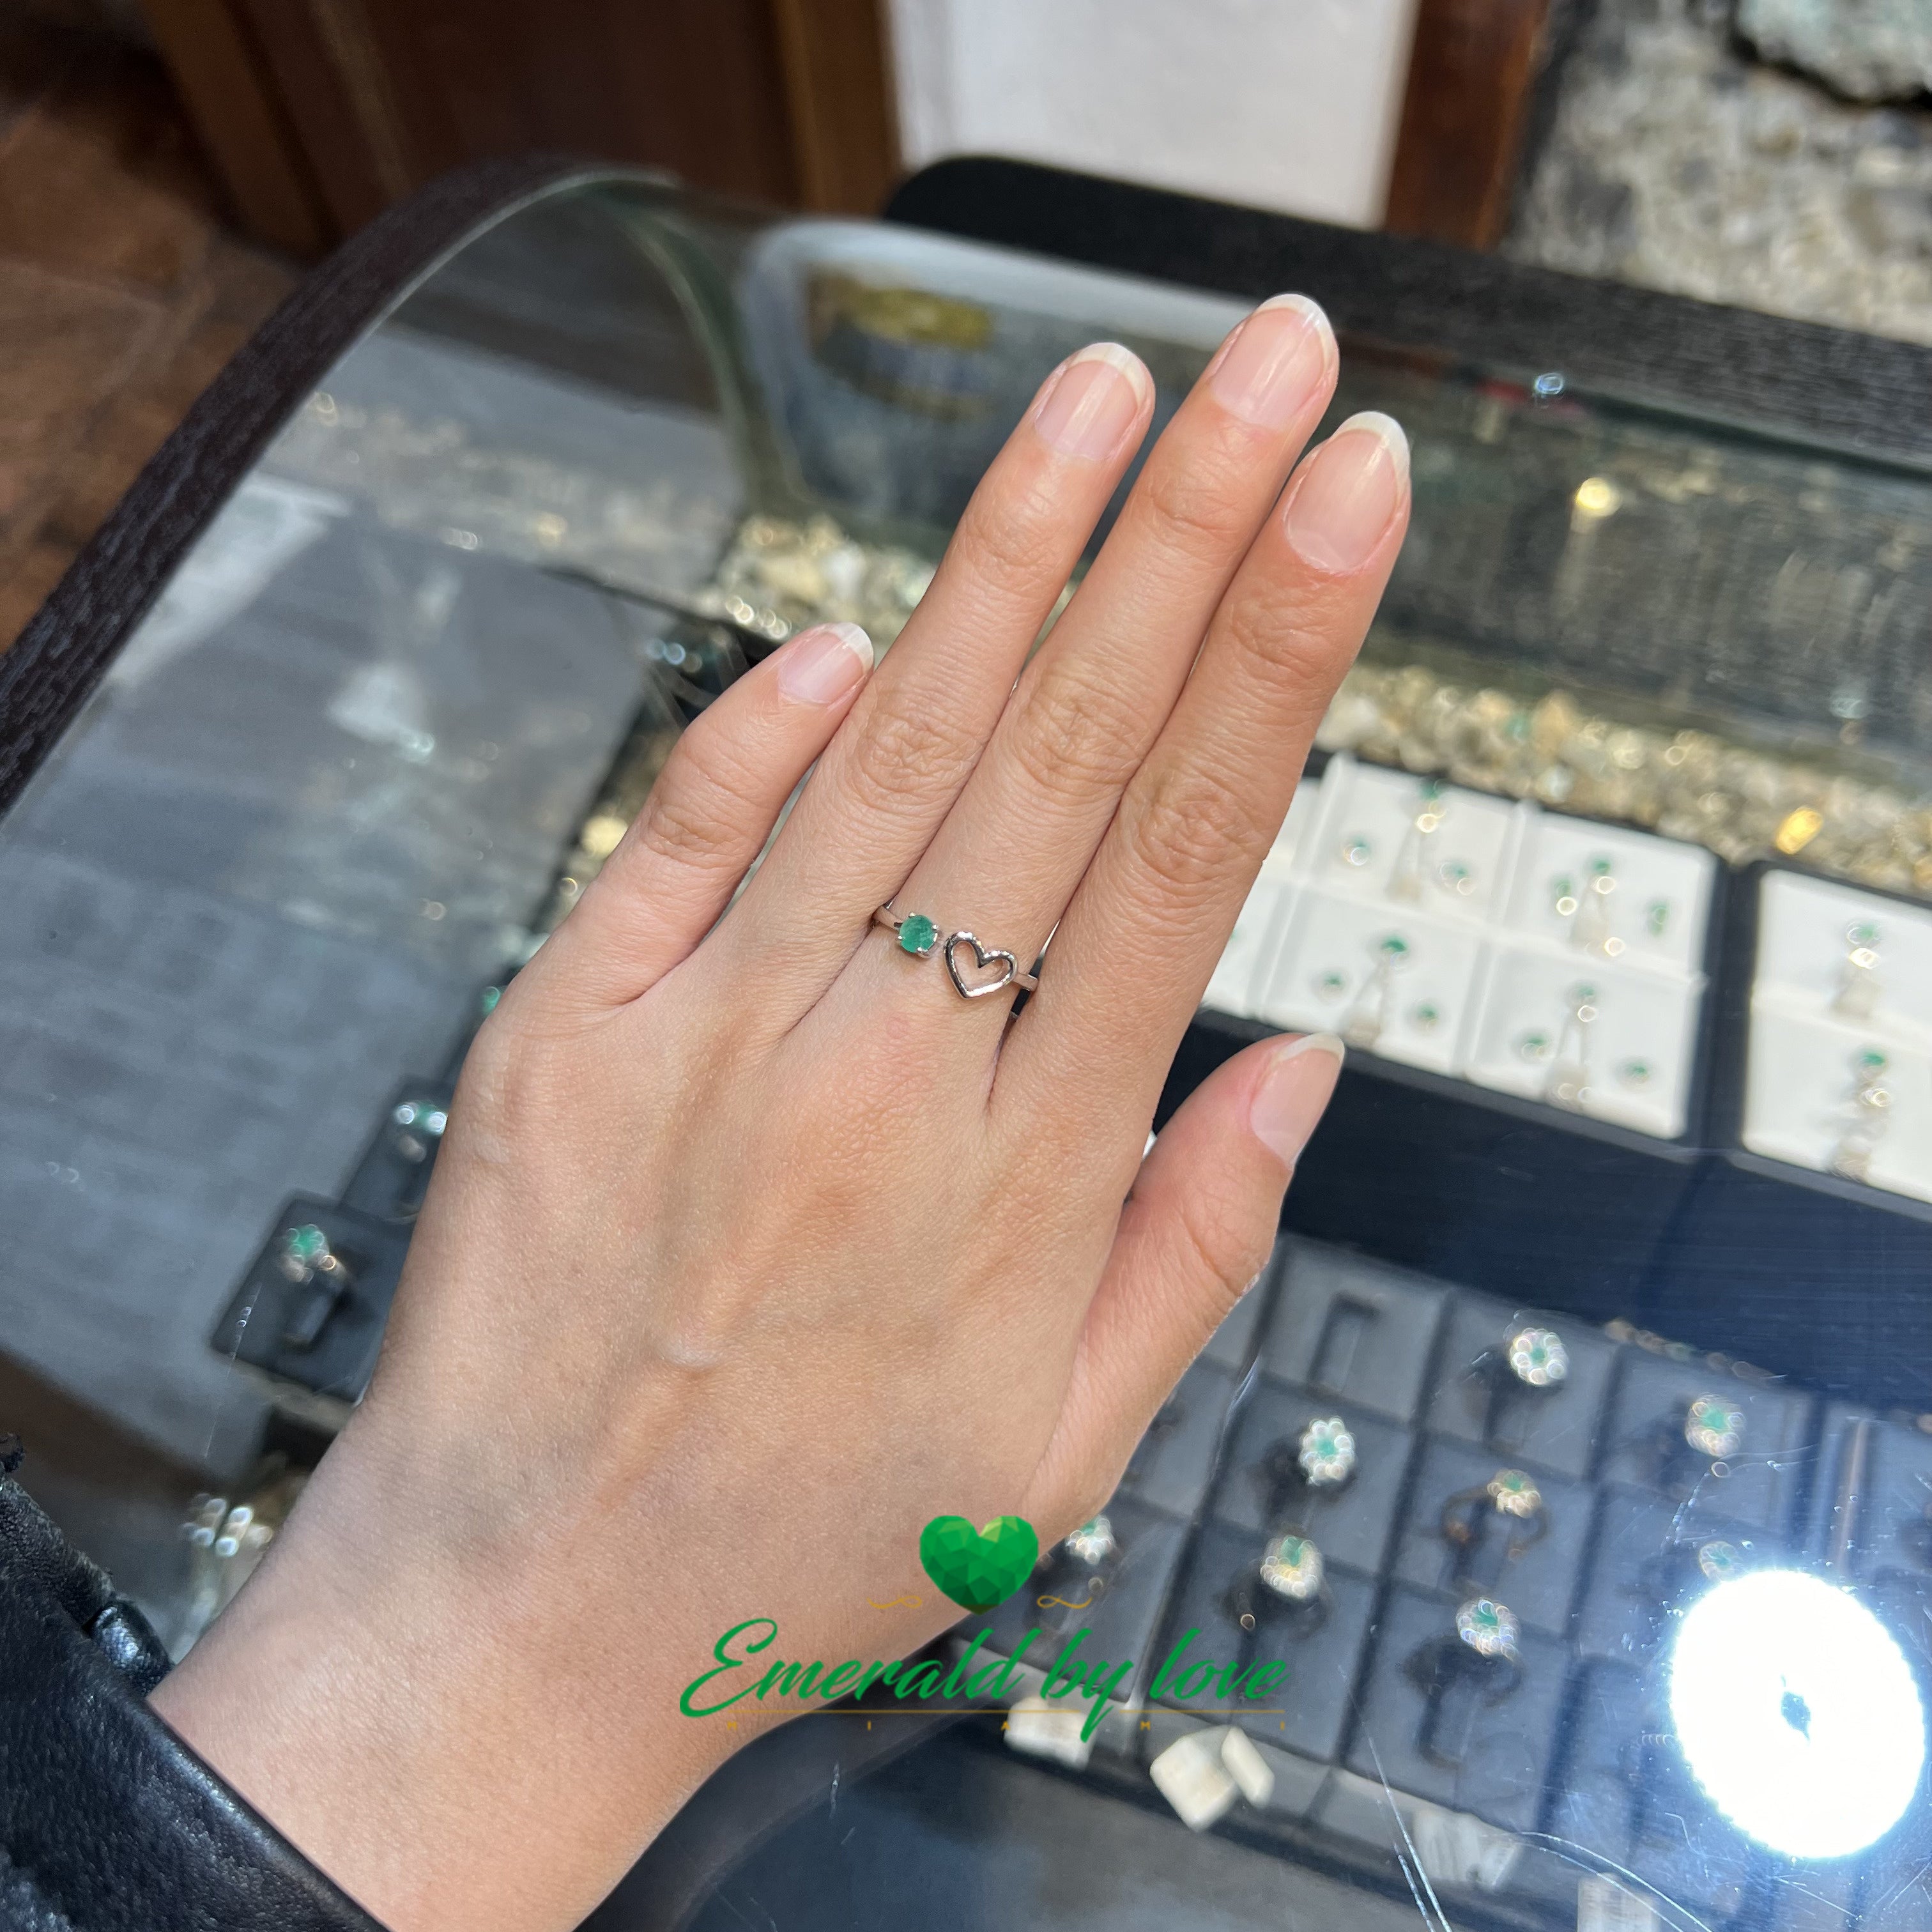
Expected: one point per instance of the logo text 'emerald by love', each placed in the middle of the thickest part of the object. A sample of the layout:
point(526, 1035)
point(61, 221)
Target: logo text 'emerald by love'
point(1101, 1682)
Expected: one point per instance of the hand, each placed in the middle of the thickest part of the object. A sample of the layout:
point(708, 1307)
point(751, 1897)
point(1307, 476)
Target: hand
point(752, 1246)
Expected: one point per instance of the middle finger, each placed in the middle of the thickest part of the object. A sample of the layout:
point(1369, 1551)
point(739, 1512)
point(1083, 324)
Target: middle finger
point(1007, 858)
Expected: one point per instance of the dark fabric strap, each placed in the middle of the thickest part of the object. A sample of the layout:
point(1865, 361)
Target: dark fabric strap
point(108, 1822)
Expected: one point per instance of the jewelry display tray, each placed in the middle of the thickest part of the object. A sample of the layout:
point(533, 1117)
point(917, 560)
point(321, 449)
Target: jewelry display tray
point(1562, 1798)
point(438, 573)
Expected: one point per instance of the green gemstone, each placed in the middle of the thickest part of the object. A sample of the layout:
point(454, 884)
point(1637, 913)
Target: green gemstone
point(1872, 1061)
point(1394, 947)
point(305, 1246)
point(1658, 917)
point(1863, 933)
point(917, 934)
point(487, 1003)
point(1720, 1560)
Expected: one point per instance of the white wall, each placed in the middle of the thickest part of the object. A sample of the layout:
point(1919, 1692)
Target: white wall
point(1288, 104)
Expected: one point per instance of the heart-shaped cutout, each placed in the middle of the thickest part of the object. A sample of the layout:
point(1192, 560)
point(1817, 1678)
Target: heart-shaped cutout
point(978, 1568)
point(982, 959)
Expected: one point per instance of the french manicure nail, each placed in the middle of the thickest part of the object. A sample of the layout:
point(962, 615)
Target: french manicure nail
point(1272, 366)
point(1341, 504)
point(1096, 399)
point(821, 665)
point(1288, 1102)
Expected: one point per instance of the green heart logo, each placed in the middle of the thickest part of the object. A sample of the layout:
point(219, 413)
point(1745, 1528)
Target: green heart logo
point(979, 1567)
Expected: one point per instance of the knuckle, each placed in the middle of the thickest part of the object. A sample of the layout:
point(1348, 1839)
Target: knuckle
point(705, 805)
point(902, 754)
point(1077, 735)
point(1301, 656)
point(1198, 507)
point(1011, 538)
point(1222, 1249)
point(1184, 828)
point(678, 828)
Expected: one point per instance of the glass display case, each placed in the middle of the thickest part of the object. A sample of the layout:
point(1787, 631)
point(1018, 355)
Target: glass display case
point(1577, 1447)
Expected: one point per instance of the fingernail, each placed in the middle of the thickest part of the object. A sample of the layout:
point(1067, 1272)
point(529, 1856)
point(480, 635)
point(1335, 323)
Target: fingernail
point(1339, 508)
point(1293, 1093)
point(1270, 369)
point(820, 666)
point(1097, 399)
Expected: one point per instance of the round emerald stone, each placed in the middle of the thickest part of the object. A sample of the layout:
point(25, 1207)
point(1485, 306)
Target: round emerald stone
point(917, 934)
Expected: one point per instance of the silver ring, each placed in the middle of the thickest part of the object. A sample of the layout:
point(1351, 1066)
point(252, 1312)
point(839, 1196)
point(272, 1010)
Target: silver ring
point(1721, 1561)
point(1714, 1427)
point(1514, 1493)
point(1327, 1453)
point(417, 1126)
point(1092, 1542)
point(1292, 1567)
point(1489, 1628)
point(303, 1252)
point(1537, 1357)
point(918, 935)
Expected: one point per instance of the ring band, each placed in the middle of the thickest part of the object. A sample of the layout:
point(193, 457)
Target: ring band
point(918, 935)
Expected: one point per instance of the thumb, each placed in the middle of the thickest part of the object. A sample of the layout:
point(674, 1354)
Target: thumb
point(1196, 1231)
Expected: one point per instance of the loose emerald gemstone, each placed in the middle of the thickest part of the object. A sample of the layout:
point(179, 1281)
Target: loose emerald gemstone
point(1872, 1061)
point(1394, 947)
point(917, 934)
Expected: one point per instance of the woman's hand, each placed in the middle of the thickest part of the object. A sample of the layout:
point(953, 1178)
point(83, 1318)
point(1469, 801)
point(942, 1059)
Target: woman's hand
point(753, 1245)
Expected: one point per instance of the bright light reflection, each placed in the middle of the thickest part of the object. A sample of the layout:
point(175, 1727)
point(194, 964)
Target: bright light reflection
point(1798, 1713)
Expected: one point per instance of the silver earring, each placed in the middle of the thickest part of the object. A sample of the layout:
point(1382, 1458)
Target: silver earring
point(1368, 1019)
point(1858, 984)
point(1590, 929)
point(1567, 1082)
point(1406, 881)
point(1870, 1111)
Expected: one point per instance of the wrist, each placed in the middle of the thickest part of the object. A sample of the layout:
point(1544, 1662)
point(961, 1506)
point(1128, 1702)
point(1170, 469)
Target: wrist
point(380, 1672)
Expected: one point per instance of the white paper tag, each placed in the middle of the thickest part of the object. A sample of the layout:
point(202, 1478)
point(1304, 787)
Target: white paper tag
point(1192, 1777)
point(1246, 1766)
point(1041, 1729)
